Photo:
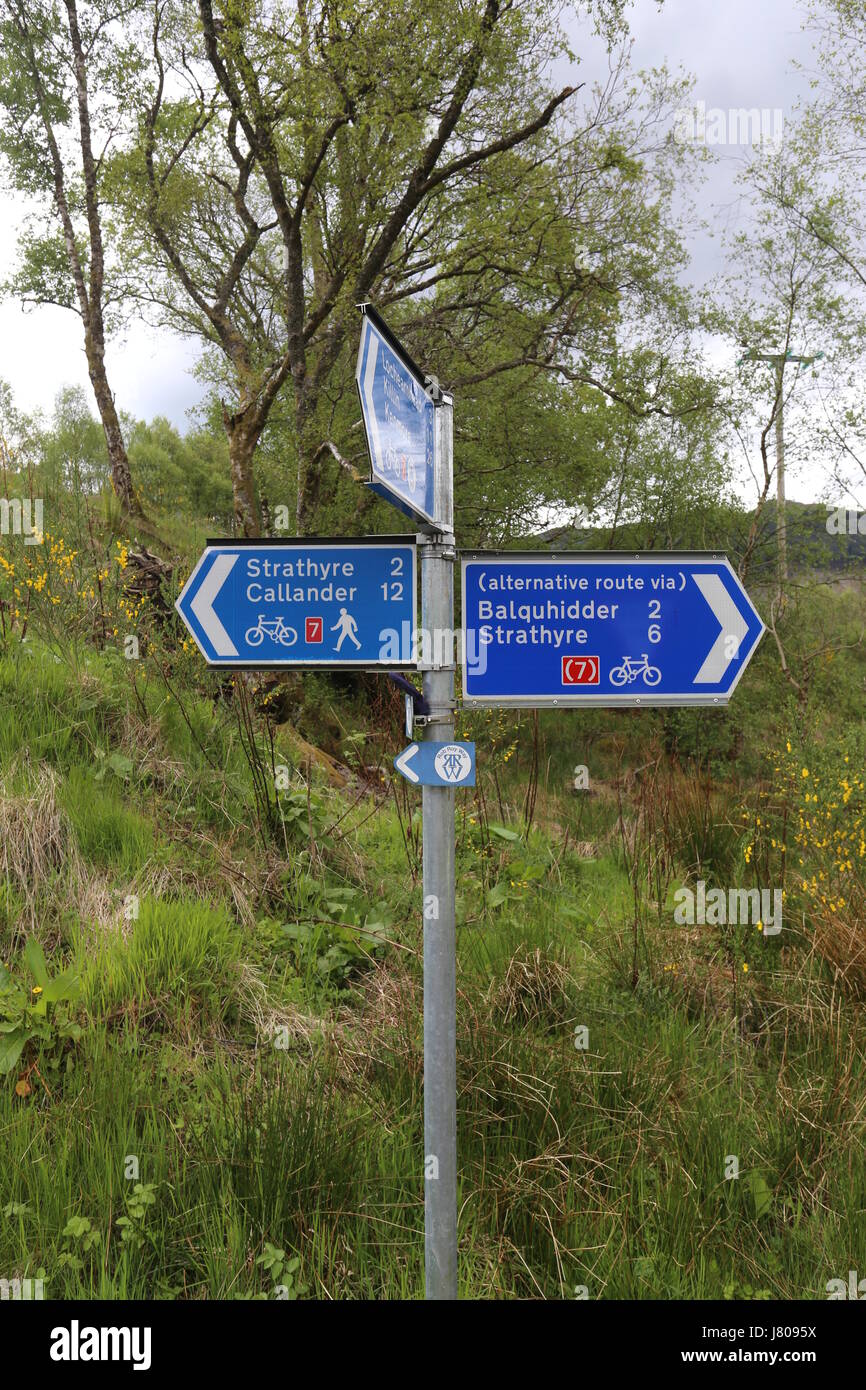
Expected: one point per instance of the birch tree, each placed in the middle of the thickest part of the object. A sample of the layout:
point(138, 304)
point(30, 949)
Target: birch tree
point(60, 65)
point(294, 160)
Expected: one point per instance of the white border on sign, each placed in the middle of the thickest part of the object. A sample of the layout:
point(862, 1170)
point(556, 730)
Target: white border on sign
point(596, 557)
point(280, 546)
point(376, 466)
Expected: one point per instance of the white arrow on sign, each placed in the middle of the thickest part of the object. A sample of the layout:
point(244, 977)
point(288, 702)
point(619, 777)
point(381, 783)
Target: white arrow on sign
point(402, 763)
point(733, 625)
point(202, 605)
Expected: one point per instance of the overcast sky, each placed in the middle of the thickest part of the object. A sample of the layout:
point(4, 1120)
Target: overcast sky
point(740, 54)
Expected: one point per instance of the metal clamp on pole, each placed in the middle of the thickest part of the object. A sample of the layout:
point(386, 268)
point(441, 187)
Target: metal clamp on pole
point(437, 543)
point(439, 712)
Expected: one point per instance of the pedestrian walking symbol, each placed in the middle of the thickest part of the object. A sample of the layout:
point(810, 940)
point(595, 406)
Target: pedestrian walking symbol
point(347, 627)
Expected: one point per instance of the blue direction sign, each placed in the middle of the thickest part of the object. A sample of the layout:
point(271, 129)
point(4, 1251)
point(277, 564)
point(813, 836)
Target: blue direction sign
point(399, 420)
point(604, 629)
point(438, 764)
point(303, 603)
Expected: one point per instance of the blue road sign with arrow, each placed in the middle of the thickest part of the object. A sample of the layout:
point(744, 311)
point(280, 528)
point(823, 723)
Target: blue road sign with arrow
point(438, 764)
point(604, 629)
point(399, 420)
point(303, 603)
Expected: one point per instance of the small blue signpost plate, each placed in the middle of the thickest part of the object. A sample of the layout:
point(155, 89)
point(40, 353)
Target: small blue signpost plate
point(303, 603)
point(399, 420)
point(604, 628)
point(438, 764)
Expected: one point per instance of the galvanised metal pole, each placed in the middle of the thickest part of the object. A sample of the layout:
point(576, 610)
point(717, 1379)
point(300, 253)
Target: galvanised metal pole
point(440, 988)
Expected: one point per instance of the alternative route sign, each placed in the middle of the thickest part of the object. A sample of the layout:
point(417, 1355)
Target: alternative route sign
point(604, 628)
point(438, 764)
point(399, 420)
point(303, 603)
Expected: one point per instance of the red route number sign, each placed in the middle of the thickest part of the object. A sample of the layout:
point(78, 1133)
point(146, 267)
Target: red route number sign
point(580, 670)
point(313, 629)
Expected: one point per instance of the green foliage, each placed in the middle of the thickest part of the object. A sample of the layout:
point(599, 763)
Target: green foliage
point(556, 314)
point(335, 933)
point(187, 474)
point(81, 1239)
point(37, 1017)
point(282, 1270)
point(133, 1224)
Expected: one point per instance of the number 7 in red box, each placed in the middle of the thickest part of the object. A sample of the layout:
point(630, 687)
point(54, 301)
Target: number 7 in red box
point(580, 670)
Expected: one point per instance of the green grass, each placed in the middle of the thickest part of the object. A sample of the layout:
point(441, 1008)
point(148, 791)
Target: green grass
point(601, 1167)
point(109, 832)
point(176, 959)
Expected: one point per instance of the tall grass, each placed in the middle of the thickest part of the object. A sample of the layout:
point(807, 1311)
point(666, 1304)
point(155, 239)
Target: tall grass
point(177, 960)
point(602, 1167)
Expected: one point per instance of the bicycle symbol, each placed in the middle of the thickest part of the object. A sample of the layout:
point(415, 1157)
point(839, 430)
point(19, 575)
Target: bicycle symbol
point(631, 668)
point(278, 631)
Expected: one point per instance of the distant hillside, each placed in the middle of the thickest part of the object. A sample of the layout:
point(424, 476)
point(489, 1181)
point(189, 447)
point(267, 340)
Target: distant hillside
point(811, 546)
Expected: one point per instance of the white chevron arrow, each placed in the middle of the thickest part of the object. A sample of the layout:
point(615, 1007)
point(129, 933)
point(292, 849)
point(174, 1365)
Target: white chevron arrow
point(202, 605)
point(402, 763)
point(733, 629)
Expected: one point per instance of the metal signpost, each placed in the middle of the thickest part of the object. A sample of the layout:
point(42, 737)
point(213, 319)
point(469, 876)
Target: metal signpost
point(440, 945)
point(409, 430)
point(604, 628)
point(303, 603)
point(538, 630)
point(335, 604)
